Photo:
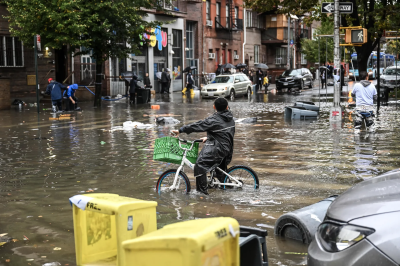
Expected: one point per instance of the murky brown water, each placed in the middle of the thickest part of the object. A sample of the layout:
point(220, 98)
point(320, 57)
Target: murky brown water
point(298, 164)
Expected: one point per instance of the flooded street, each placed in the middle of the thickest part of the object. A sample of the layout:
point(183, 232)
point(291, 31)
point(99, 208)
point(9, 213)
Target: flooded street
point(44, 163)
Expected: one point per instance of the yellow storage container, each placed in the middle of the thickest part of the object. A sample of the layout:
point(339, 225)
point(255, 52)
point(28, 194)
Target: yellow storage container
point(107, 221)
point(205, 242)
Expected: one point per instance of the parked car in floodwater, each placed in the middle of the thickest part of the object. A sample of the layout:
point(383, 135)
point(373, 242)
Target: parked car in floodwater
point(361, 226)
point(225, 85)
point(391, 78)
point(295, 78)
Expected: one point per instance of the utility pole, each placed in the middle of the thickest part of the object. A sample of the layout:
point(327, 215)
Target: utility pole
point(288, 42)
point(336, 111)
point(35, 40)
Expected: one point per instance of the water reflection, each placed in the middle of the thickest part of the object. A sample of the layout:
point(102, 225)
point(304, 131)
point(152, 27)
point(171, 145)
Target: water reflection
point(298, 163)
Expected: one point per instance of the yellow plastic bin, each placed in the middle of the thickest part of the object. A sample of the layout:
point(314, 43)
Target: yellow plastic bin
point(103, 221)
point(205, 242)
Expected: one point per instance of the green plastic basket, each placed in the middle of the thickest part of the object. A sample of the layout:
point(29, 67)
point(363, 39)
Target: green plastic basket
point(167, 149)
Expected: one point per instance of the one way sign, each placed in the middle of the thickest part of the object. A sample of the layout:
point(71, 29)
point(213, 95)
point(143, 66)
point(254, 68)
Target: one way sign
point(344, 7)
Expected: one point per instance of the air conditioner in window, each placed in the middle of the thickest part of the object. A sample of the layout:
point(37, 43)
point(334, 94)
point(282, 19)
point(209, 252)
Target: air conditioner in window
point(236, 57)
point(211, 55)
point(209, 23)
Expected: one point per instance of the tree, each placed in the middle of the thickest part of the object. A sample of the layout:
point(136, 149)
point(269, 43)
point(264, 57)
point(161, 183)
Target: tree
point(374, 15)
point(309, 47)
point(393, 47)
point(110, 28)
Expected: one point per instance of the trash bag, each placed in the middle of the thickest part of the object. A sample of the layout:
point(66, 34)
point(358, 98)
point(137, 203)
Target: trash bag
point(166, 121)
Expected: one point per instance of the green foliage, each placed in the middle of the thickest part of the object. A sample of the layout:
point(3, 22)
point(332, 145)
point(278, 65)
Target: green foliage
point(310, 47)
point(393, 47)
point(374, 15)
point(101, 25)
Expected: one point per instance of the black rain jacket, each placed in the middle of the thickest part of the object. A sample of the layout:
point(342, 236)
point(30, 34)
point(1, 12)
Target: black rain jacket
point(220, 128)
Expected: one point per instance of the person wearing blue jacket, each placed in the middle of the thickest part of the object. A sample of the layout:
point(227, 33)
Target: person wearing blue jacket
point(70, 94)
point(54, 89)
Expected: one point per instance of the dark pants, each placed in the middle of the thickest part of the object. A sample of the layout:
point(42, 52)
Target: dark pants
point(259, 83)
point(70, 106)
point(322, 83)
point(201, 176)
point(164, 87)
point(132, 97)
point(58, 103)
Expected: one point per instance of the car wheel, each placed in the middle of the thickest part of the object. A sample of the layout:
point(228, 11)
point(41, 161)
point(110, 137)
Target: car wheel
point(311, 84)
point(232, 95)
point(249, 93)
point(301, 84)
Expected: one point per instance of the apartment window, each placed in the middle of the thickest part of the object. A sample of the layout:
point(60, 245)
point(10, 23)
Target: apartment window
point(227, 16)
point(11, 52)
point(249, 19)
point(208, 11)
point(303, 59)
point(273, 18)
point(189, 40)
point(218, 13)
point(256, 54)
point(280, 56)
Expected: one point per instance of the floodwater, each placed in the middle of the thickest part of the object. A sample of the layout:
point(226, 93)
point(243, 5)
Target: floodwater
point(44, 163)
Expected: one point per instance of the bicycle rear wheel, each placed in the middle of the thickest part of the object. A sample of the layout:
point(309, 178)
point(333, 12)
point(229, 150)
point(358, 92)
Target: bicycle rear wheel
point(166, 180)
point(244, 174)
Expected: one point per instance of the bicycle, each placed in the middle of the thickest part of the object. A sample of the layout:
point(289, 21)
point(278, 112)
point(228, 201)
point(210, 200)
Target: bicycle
point(176, 179)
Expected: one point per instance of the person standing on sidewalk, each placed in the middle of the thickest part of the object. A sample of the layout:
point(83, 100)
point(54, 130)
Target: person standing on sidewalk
point(54, 89)
point(260, 76)
point(132, 89)
point(189, 81)
point(323, 76)
point(165, 80)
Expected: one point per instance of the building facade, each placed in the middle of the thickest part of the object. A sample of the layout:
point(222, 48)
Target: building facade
point(17, 62)
point(223, 33)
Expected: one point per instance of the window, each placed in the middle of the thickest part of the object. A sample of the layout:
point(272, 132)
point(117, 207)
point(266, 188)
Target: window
point(256, 54)
point(280, 56)
point(227, 16)
point(273, 18)
point(303, 59)
point(11, 52)
point(249, 19)
point(189, 40)
point(218, 13)
point(177, 59)
point(208, 12)
point(234, 53)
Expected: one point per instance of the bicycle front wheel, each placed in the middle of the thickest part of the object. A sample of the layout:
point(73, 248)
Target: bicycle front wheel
point(166, 180)
point(245, 175)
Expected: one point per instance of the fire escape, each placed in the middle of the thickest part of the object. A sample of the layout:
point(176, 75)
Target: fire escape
point(230, 22)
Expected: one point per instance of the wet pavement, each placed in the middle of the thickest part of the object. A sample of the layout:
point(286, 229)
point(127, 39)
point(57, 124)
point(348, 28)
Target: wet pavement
point(45, 162)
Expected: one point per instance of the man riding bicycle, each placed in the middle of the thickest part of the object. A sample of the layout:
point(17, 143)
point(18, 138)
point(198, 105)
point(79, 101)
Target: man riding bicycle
point(365, 94)
point(218, 148)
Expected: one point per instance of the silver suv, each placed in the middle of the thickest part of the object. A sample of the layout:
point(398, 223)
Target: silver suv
point(228, 85)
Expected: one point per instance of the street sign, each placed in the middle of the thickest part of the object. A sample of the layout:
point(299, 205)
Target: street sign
point(344, 7)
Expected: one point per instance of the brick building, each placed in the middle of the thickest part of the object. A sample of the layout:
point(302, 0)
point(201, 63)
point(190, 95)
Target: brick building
point(275, 38)
point(17, 63)
point(223, 33)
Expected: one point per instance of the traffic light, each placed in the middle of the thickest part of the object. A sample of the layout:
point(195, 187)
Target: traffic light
point(356, 36)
